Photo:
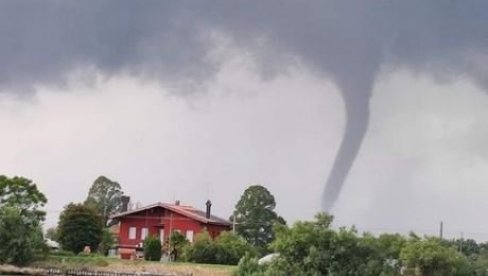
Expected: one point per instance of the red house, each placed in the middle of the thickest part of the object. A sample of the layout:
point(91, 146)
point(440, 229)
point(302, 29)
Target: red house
point(160, 220)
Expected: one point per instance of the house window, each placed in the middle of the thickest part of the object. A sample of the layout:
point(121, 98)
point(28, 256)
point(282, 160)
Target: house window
point(189, 235)
point(144, 233)
point(132, 233)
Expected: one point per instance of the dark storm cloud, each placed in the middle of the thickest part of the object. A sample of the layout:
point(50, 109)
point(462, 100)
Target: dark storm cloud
point(348, 41)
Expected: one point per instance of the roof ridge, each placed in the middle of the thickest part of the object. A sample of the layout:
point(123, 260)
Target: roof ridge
point(185, 210)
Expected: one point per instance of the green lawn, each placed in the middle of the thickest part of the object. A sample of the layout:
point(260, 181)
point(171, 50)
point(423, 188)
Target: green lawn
point(102, 263)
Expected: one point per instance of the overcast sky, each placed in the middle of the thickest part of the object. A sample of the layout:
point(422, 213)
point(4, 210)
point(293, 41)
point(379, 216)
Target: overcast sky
point(177, 100)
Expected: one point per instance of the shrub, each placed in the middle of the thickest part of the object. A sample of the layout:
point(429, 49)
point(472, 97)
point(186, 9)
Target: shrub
point(20, 238)
point(152, 249)
point(202, 250)
point(230, 248)
point(248, 266)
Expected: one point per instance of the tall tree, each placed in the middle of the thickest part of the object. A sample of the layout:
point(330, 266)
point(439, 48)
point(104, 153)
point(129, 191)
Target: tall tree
point(79, 226)
point(105, 196)
point(20, 219)
point(22, 193)
point(254, 217)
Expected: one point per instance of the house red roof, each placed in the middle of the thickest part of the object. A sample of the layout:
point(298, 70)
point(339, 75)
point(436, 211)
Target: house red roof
point(187, 211)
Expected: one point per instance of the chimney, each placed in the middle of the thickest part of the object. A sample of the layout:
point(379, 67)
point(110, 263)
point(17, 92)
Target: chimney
point(125, 203)
point(209, 206)
point(177, 203)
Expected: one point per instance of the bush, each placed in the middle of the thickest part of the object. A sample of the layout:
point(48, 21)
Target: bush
point(20, 238)
point(248, 266)
point(202, 251)
point(228, 248)
point(152, 249)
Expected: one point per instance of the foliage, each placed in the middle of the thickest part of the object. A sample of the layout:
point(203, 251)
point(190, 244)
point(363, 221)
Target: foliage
point(20, 219)
point(255, 216)
point(105, 196)
point(22, 193)
point(177, 244)
point(107, 242)
point(202, 250)
point(468, 247)
point(228, 249)
point(152, 249)
point(248, 266)
point(314, 248)
point(79, 226)
point(20, 238)
point(52, 234)
point(430, 257)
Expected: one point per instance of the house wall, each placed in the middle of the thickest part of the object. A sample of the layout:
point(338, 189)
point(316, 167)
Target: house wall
point(146, 219)
point(176, 222)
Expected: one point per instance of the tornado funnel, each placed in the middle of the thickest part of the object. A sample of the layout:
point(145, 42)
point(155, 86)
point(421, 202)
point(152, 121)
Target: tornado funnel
point(356, 101)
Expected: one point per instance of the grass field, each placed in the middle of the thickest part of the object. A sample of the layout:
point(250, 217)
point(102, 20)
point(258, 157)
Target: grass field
point(101, 263)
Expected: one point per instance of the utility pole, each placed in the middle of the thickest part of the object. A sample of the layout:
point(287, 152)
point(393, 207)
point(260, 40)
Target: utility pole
point(441, 230)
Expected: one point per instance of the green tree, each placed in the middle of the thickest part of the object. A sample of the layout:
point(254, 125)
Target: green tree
point(430, 258)
point(20, 219)
point(105, 196)
point(52, 234)
point(177, 243)
point(254, 216)
point(107, 242)
point(468, 247)
point(19, 238)
point(22, 193)
point(79, 226)
point(314, 248)
point(152, 249)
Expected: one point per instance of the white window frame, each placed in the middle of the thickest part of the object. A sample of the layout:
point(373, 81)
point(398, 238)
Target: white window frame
point(132, 233)
point(144, 233)
point(189, 235)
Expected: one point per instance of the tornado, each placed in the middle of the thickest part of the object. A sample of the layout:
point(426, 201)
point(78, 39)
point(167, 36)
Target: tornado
point(356, 103)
